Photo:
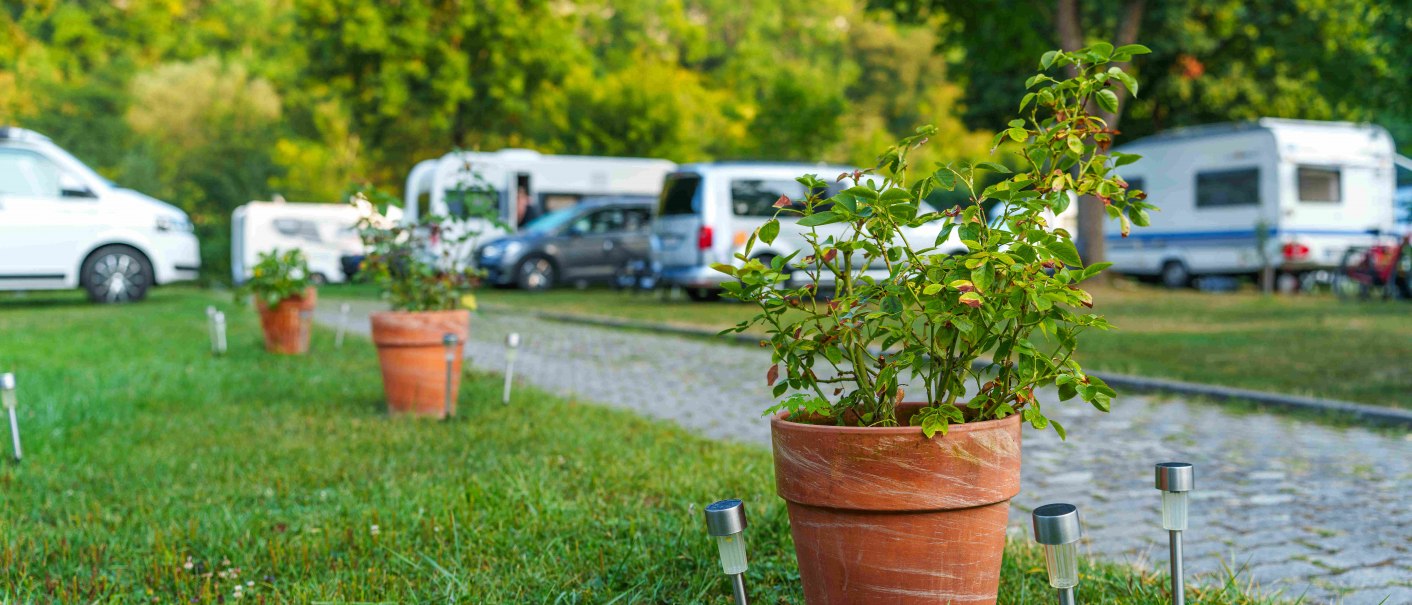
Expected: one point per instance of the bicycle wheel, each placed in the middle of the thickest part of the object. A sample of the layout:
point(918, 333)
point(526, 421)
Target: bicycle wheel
point(1402, 275)
point(1350, 281)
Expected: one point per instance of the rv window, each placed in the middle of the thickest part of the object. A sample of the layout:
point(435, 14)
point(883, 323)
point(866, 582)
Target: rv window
point(298, 228)
point(681, 195)
point(1319, 185)
point(1227, 188)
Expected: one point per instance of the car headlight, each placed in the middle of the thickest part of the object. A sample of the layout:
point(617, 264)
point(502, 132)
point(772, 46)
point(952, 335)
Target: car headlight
point(498, 250)
point(174, 223)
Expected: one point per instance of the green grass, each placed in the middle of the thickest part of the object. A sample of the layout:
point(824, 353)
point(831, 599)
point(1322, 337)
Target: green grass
point(144, 453)
point(1310, 345)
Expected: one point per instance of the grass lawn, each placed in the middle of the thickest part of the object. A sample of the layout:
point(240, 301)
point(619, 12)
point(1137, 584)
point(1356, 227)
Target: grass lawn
point(1316, 346)
point(156, 473)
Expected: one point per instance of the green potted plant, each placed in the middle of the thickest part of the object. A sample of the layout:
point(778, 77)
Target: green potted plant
point(285, 297)
point(897, 439)
point(419, 269)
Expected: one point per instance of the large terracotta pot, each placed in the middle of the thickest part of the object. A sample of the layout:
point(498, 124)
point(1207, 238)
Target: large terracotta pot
point(412, 352)
point(885, 515)
point(287, 324)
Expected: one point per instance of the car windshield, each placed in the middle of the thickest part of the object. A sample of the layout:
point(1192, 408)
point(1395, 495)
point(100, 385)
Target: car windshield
point(551, 221)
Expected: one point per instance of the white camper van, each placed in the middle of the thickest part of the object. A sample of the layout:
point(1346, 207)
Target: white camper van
point(64, 226)
point(1305, 190)
point(452, 184)
point(324, 232)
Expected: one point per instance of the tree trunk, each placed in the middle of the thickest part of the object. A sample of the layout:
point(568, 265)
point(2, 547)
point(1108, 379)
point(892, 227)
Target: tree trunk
point(1092, 215)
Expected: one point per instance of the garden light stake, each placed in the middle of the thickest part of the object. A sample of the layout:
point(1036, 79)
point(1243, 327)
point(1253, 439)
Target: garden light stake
point(450, 341)
point(218, 333)
point(1056, 527)
point(512, 346)
point(1175, 479)
point(7, 394)
point(725, 520)
point(342, 325)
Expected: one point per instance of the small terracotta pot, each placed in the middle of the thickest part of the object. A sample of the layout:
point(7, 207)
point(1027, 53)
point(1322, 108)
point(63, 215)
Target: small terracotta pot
point(412, 352)
point(287, 324)
point(885, 515)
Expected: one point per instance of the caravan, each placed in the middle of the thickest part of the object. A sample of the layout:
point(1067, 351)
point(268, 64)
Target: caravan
point(518, 185)
point(1235, 197)
point(324, 232)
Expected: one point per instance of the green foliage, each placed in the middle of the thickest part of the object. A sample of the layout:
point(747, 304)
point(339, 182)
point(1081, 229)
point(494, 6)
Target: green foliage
point(418, 266)
point(277, 277)
point(903, 314)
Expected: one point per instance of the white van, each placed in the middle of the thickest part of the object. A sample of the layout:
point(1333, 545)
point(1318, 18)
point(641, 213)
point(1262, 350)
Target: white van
point(324, 232)
point(1308, 190)
point(454, 183)
point(63, 226)
point(708, 211)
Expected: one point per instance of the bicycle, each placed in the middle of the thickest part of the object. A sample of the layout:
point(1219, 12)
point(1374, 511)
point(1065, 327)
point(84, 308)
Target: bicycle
point(1385, 268)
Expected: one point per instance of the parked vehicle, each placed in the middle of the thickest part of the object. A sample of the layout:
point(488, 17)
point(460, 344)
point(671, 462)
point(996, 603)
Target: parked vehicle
point(1233, 197)
point(64, 226)
point(596, 240)
point(323, 232)
point(708, 211)
point(519, 185)
point(1402, 199)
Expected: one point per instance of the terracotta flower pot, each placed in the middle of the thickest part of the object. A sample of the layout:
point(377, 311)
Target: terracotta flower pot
point(885, 515)
point(287, 324)
point(413, 357)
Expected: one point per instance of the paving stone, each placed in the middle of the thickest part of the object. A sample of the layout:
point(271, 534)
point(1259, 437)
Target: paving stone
point(1287, 502)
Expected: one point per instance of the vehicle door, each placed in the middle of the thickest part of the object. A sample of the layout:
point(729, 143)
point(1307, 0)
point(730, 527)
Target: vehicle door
point(588, 244)
point(679, 222)
point(48, 219)
point(634, 241)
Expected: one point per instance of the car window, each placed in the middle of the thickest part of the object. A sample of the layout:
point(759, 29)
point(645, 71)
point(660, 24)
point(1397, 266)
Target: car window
point(609, 220)
point(27, 173)
point(757, 197)
point(637, 219)
point(681, 195)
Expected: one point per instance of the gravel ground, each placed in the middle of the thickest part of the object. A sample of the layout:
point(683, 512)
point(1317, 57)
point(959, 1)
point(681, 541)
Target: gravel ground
point(1297, 508)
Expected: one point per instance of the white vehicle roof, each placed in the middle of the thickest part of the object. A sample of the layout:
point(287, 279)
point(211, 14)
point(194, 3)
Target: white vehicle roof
point(1304, 141)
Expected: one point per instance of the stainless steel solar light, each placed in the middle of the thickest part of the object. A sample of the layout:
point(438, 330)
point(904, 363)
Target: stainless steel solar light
point(218, 333)
point(1056, 527)
point(7, 397)
point(449, 340)
point(342, 325)
point(512, 346)
point(1176, 480)
point(725, 520)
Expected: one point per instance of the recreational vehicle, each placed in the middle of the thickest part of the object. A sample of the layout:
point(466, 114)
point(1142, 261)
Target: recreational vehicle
point(324, 232)
point(1233, 197)
point(519, 185)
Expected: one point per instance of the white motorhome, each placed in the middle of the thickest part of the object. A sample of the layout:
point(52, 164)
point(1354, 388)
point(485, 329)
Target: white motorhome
point(324, 232)
point(1307, 191)
point(456, 182)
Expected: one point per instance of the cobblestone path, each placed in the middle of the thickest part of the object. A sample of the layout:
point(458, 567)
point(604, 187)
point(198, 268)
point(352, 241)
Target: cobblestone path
point(1296, 507)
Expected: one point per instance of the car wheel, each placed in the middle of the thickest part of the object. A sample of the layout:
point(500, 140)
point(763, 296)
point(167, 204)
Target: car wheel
point(318, 279)
point(536, 273)
point(1175, 274)
point(116, 274)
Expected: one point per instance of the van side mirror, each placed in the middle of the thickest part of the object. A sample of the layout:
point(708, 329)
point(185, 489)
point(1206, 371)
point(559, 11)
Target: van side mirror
point(74, 188)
